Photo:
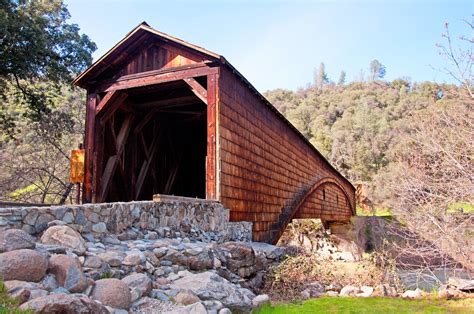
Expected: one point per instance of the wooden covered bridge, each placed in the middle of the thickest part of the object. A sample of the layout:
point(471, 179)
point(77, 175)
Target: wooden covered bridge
point(168, 117)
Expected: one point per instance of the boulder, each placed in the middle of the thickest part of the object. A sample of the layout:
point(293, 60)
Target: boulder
point(66, 237)
point(24, 264)
point(315, 289)
point(49, 282)
point(239, 258)
point(260, 300)
point(140, 282)
point(196, 308)
point(210, 286)
point(365, 292)
point(134, 259)
point(461, 284)
point(114, 259)
point(64, 303)
point(272, 252)
point(21, 295)
point(93, 261)
point(201, 261)
point(15, 239)
point(349, 291)
point(68, 272)
point(186, 298)
point(112, 292)
point(412, 294)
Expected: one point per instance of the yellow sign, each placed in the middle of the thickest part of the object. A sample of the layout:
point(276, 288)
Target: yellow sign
point(77, 166)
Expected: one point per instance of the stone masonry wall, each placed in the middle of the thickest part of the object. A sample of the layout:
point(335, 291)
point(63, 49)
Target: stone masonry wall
point(166, 214)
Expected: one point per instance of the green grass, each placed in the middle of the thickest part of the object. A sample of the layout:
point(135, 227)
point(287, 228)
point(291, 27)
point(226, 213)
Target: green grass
point(371, 305)
point(465, 207)
point(379, 211)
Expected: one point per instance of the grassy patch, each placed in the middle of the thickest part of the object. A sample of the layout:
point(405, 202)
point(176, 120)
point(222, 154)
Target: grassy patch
point(379, 211)
point(371, 305)
point(461, 207)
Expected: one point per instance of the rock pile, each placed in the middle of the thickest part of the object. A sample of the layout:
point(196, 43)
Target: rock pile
point(63, 272)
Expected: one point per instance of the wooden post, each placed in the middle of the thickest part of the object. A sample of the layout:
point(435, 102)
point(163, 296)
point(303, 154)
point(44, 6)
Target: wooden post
point(89, 147)
point(211, 137)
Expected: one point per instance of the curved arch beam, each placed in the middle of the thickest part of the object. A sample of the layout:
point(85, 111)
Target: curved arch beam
point(287, 215)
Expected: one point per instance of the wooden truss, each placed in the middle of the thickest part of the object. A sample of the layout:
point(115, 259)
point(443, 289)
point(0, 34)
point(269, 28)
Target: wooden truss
point(100, 176)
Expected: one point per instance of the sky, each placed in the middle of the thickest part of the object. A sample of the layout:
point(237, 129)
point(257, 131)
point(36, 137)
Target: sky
point(278, 44)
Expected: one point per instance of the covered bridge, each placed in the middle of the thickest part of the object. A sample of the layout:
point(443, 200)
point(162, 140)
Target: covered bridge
point(168, 117)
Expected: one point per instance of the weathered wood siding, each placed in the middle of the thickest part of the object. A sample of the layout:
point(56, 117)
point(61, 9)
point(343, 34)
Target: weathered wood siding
point(160, 56)
point(264, 163)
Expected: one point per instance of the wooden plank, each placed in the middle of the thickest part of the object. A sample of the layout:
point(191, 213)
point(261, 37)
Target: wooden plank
point(89, 147)
point(171, 103)
point(157, 77)
point(112, 107)
point(114, 160)
point(197, 89)
point(107, 176)
point(146, 165)
point(211, 137)
point(144, 121)
point(109, 96)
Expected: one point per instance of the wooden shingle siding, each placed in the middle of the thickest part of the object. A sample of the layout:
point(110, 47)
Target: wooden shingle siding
point(244, 152)
point(264, 163)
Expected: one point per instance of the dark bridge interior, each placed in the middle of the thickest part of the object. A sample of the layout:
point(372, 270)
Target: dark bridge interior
point(164, 131)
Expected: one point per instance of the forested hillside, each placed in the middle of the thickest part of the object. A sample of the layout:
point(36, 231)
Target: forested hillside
point(363, 127)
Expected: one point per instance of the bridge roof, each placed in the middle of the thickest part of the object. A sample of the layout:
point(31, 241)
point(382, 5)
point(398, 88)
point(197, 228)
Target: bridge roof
point(126, 45)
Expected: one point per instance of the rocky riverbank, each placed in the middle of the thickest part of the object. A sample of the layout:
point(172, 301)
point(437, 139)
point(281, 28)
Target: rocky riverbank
point(136, 271)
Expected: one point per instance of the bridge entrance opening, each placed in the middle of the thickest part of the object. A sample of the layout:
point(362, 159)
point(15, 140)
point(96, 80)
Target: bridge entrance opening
point(155, 143)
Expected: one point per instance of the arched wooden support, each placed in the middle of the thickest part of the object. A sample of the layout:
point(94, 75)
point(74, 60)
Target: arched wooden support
point(296, 203)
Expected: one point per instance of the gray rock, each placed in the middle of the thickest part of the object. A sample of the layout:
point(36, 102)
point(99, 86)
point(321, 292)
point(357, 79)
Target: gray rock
point(68, 272)
point(93, 261)
point(42, 222)
point(99, 227)
point(412, 294)
point(66, 237)
point(461, 284)
point(63, 303)
point(49, 282)
point(38, 293)
point(186, 298)
point(225, 311)
point(349, 291)
point(60, 290)
point(196, 308)
point(68, 218)
point(160, 252)
point(114, 259)
point(141, 282)
point(134, 259)
point(160, 295)
point(209, 286)
point(15, 239)
point(366, 292)
point(260, 300)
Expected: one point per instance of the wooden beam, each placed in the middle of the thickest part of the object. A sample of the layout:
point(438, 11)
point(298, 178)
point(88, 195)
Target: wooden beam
point(197, 89)
point(150, 153)
point(89, 147)
point(108, 97)
point(113, 160)
point(156, 77)
point(211, 181)
point(171, 103)
point(144, 121)
point(112, 107)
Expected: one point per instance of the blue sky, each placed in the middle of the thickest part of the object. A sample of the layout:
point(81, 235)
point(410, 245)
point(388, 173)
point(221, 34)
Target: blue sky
point(279, 43)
